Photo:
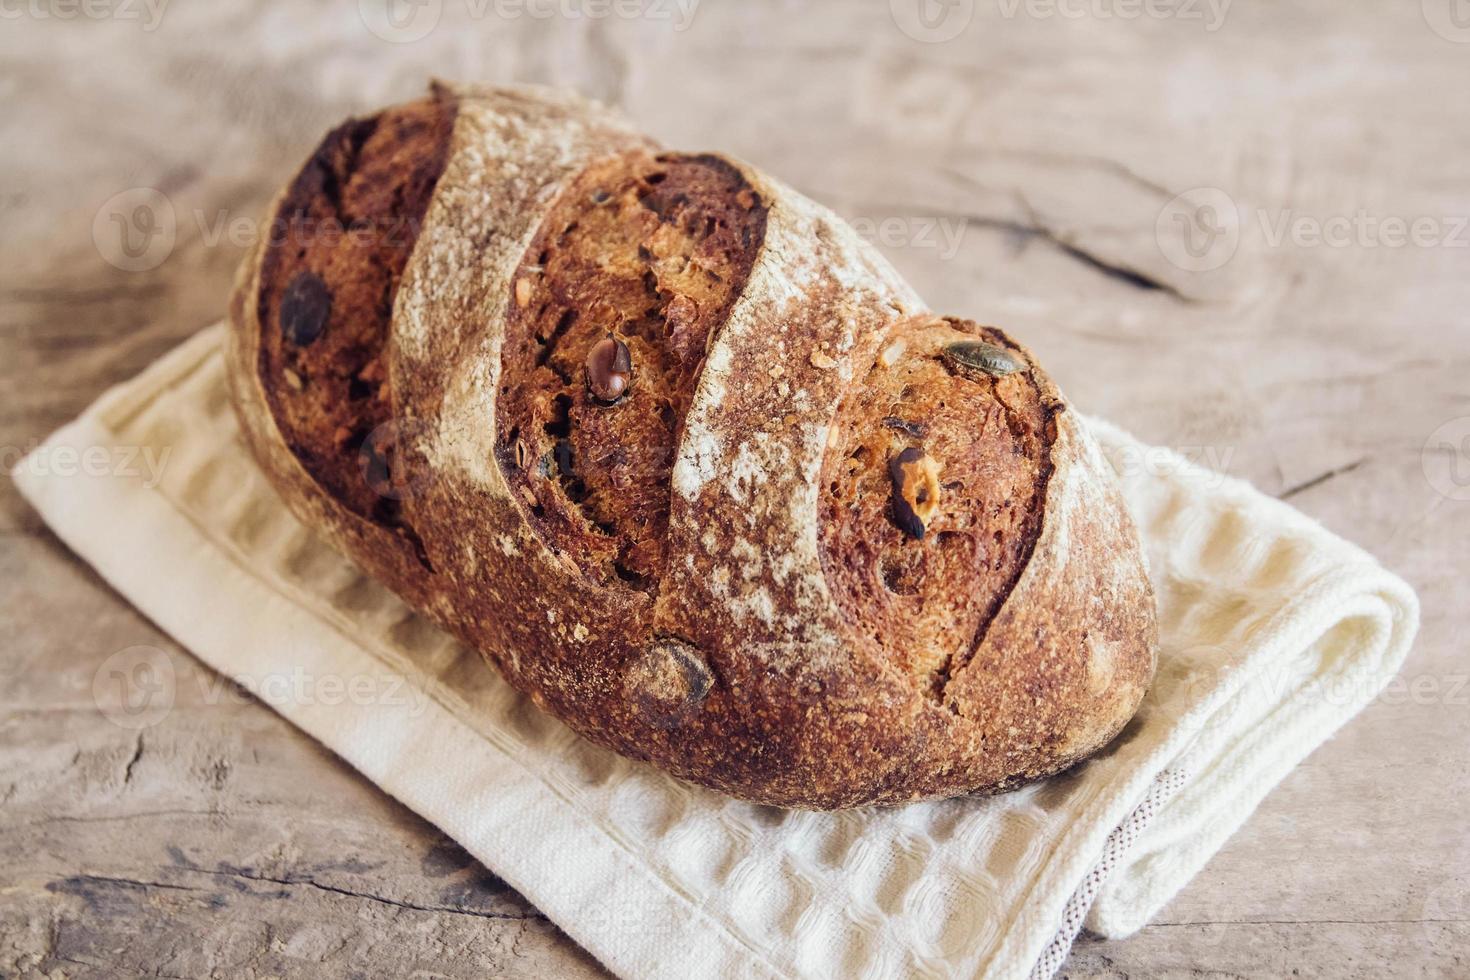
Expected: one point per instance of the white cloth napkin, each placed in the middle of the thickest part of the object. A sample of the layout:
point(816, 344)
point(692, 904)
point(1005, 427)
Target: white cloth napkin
point(1274, 632)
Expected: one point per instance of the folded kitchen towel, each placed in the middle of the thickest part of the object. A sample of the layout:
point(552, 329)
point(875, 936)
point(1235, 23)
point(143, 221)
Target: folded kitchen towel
point(1273, 633)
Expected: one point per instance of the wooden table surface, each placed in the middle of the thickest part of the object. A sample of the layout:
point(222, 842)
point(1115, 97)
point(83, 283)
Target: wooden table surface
point(1298, 320)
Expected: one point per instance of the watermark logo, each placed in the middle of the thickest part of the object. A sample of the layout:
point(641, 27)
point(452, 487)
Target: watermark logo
point(1450, 19)
point(400, 21)
point(932, 21)
point(1199, 230)
point(1446, 459)
point(386, 462)
point(134, 688)
point(135, 230)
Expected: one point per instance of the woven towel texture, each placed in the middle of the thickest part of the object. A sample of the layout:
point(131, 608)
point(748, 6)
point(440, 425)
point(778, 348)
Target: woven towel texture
point(1274, 632)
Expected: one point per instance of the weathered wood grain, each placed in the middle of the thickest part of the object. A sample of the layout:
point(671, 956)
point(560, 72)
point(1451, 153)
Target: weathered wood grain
point(1016, 173)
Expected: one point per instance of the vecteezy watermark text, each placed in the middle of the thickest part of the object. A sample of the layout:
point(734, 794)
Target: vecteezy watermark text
point(1211, 12)
point(136, 230)
point(936, 21)
point(1362, 229)
point(1205, 466)
point(1201, 229)
point(143, 462)
point(138, 687)
point(406, 21)
point(149, 13)
point(942, 234)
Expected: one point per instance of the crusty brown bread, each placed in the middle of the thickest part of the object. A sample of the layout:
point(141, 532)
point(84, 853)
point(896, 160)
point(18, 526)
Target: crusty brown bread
point(650, 250)
point(340, 239)
point(987, 440)
point(686, 459)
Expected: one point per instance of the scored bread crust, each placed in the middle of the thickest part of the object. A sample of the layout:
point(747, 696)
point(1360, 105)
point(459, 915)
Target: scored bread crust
point(740, 670)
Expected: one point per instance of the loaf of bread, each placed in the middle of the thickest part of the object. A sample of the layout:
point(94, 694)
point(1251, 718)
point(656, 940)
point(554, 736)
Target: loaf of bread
point(686, 459)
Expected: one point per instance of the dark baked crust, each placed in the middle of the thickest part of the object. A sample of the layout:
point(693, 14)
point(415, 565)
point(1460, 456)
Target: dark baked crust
point(751, 646)
point(652, 250)
point(926, 593)
point(342, 235)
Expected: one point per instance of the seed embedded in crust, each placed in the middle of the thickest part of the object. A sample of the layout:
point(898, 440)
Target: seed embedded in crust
point(915, 478)
point(681, 315)
point(305, 308)
point(917, 430)
point(822, 361)
point(609, 369)
point(667, 682)
point(523, 291)
point(993, 360)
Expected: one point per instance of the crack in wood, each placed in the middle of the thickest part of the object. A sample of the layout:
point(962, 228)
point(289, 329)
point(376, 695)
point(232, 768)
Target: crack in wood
point(1113, 270)
point(1034, 228)
point(75, 885)
point(114, 818)
point(132, 762)
point(294, 880)
point(1320, 479)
